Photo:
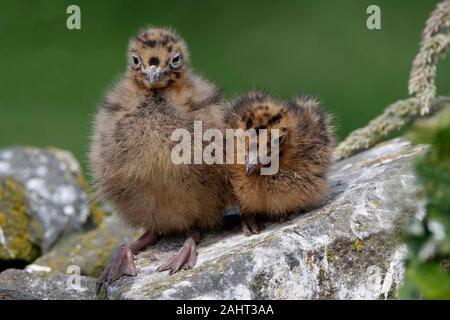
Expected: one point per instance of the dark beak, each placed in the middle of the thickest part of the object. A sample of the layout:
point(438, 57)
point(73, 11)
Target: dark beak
point(249, 168)
point(250, 163)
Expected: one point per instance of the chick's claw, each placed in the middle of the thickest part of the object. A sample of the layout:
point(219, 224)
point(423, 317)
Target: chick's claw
point(250, 226)
point(122, 264)
point(185, 259)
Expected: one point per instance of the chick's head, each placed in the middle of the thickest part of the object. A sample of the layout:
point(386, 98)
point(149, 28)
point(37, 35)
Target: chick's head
point(269, 129)
point(158, 58)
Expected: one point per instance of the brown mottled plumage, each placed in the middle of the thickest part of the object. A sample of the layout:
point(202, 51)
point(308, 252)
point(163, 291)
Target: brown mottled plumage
point(305, 154)
point(131, 148)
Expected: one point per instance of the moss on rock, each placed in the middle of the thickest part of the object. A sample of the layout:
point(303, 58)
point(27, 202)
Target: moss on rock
point(358, 245)
point(91, 251)
point(19, 232)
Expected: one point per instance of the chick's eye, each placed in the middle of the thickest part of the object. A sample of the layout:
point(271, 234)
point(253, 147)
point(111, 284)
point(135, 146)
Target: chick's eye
point(176, 60)
point(135, 60)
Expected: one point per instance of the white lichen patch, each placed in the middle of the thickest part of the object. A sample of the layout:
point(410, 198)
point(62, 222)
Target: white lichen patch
point(35, 268)
point(41, 171)
point(37, 185)
point(68, 210)
point(6, 155)
point(65, 194)
point(394, 275)
point(5, 168)
point(2, 238)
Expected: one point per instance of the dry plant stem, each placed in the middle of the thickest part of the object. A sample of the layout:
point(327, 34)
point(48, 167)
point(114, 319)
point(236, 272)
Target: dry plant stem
point(438, 21)
point(394, 117)
point(435, 40)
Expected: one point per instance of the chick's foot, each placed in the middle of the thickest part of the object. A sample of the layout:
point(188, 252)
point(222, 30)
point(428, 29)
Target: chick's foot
point(122, 264)
point(250, 226)
point(185, 259)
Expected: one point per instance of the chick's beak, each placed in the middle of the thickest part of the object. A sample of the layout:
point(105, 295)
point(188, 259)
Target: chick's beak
point(250, 163)
point(153, 74)
point(249, 168)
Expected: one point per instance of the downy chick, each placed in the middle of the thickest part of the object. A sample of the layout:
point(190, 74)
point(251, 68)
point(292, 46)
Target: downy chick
point(304, 156)
point(130, 153)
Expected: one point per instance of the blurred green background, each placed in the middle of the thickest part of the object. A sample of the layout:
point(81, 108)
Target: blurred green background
point(51, 78)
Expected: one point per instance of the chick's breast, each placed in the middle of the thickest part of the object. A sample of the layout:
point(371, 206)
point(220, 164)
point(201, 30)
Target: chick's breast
point(132, 165)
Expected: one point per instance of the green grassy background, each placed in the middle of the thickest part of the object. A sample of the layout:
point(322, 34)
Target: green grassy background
point(51, 78)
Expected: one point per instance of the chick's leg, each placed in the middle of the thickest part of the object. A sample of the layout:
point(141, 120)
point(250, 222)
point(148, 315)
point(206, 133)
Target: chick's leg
point(250, 226)
point(186, 258)
point(123, 261)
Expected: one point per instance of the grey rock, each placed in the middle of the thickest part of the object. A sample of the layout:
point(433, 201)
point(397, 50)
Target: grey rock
point(11, 294)
point(54, 194)
point(22, 285)
point(347, 249)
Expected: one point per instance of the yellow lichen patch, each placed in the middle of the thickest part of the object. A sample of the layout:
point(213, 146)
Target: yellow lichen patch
point(221, 268)
point(91, 251)
point(82, 182)
point(98, 215)
point(358, 245)
point(16, 223)
point(2, 219)
point(329, 254)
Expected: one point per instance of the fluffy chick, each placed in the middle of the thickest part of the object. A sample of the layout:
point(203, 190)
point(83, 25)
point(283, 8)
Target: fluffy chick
point(305, 146)
point(130, 152)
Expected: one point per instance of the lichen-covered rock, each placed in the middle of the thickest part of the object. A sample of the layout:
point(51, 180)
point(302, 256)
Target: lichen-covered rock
point(11, 294)
point(346, 249)
point(22, 285)
point(55, 190)
point(20, 234)
point(90, 251)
